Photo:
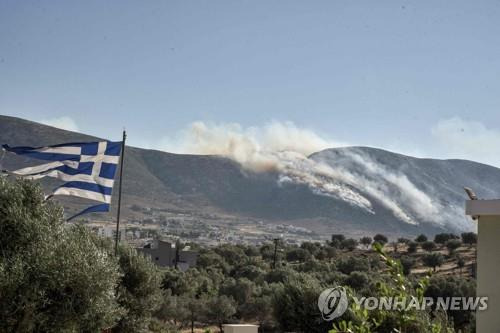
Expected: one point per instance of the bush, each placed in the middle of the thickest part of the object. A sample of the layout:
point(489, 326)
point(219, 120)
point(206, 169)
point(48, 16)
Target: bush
point(450, 286)
point(412, 247)
point(366, 241)
point(421, 238)
point(444, 237)
point(403, 240)
point(381, 239)
point(267, 251)
point(328, 252)
point(351, 264)
point(408, 263)
point(337, 240)
point(251, 251)
point(249, 271)
point(296, 306)
point(469, 238)
point(460, 263)
point(433, 260)
point(240, 290)
point(338, 237)
point(298, 254)
point(313, 248)
point(357, 319)
point(220, 310)
point(232, 254)
point(139, 292)
point(429, 246)
point(261, 309)
point(453, 244)
point(350, 244)
point(279, 275)
point(357, 280)
point(212, 259)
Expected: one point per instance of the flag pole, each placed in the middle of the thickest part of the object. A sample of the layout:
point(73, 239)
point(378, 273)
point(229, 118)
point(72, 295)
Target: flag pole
point(120, 193)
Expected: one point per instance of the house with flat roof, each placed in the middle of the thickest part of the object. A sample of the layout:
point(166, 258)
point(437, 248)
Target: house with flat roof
point(165, 254)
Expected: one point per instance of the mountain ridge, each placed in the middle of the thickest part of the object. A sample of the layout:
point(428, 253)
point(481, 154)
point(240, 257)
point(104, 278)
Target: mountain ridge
point(209, 184)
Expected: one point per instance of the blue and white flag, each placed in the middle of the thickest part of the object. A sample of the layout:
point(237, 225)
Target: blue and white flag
point(88, 168)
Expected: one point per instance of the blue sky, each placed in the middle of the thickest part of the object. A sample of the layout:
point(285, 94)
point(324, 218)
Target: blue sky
point(419, 77)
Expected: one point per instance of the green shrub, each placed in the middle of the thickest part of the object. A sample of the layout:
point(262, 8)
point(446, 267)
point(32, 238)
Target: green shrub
point(360, 320)
point(453, 244)
point(412, 247)
point(421, 238)
point(381, 239)
point(433, 260)
point(429, 246)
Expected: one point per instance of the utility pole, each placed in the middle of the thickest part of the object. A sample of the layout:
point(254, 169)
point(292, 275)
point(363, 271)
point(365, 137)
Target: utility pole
point(177, 246)
point(120, 193)
point(276, 240)
point(176, 257)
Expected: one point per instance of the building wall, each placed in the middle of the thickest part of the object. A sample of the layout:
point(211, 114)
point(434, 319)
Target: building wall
point(163, 254)
point(488, 273)
point(240, 328)
point(188, 257)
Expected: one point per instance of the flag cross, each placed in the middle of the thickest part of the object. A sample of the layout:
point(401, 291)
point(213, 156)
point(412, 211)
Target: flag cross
point(88, 169)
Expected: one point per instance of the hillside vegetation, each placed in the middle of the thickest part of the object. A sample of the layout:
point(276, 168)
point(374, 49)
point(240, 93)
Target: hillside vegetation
point(61, 278)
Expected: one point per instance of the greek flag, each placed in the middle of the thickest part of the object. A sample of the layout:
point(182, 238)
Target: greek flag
point(87, 168)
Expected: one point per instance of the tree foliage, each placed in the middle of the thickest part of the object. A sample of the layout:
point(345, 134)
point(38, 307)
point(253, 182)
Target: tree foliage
point(139, 291)
point(429, 246)
point(349, 244)
point(407, 263)
point(442, 238)
point(412, 247)
point(56, 277)
point(296, 308)
point(366, 241)
point(421, 238)
point(381, 239)
point(337, 240)
point(450, 287)
point(220, 310)
point(433, 260)
point(379, 320)
point(469, 238)
point(453, 244)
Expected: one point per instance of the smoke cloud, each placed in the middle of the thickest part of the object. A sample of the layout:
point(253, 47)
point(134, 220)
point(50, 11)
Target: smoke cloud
point(285, 148)
point(257, 148)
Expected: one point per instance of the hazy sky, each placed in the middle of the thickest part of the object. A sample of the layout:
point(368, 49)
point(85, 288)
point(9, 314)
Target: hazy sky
point(419, 77)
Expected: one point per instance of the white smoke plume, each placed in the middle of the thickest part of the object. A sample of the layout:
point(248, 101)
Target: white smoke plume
point(256, 148)
point(284, 148)
point(379, 182)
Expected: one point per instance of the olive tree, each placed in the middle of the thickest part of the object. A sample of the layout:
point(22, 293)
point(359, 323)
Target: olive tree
point(381, 239)
point(220, 309)
point(296, 305)
point(452, 245)
point(53, 277)
point(433, 260)
point(366, 241)
point(469, 238)
point(139, 290)
point(429, 246)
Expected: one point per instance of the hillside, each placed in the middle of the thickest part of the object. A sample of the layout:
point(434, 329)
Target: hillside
point(363, 190)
